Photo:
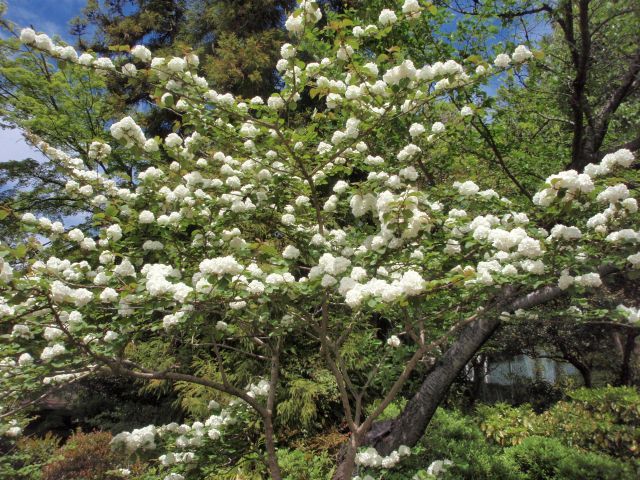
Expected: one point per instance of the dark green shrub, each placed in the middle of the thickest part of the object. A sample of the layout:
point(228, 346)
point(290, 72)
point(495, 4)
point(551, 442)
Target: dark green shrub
point(301, 465)
point(506, 425)
point(540, 458)
point(602, 419)
point(24, 459)
point(605, 420)
point(458, 438)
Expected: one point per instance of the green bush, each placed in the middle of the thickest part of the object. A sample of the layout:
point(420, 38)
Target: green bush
point(601, 419)
point(24, 459)
point(454, 436)
point(540, 458)
point(605, 420)
point(520, 455)
point(507, 425)
point(302, 465)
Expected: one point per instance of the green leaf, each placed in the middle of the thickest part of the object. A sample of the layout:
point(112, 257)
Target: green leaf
point(20, 251)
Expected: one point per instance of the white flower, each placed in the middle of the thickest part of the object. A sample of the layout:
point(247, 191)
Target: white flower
point(13, 432)
point(393, 341)
point(411, 6)
point(125, 269)
point(255, 287)
point(173, 140)
point(591, 280)
point(110, 336)
point(29, 218)
point(521, 54)
point(27, 36)
point(466, 111)
point(49, 353)
point(99, 150)
point(128, 131)
point(146, 217)
point(416, 129)
point(151, 145)
point(52, 334)
point(114, 232)
point(177, 64)
point(221, 266)
point(437, 127)
point(287, 51)
point(290, 252)
point(104, 63)
point(502, 60)
point(43, 42)
point(25, 359)
point(21, 331)
point(76, 235)
point(108, 295)
point(294, 24)
point(387, 17)
point(340, 187)
point(438, 467)
point(467, 188)
point(275, 102)
point(632, 314)
point(141, 52)
point(565, 281)
point(129, 70)
point(613, 194)
point(288, 219)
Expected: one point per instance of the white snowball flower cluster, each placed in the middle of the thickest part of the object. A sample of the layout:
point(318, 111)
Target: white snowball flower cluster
point(438, 467)
point(588, 280)
point(128, 131)
point(502, 60)
point(142, 53)
point(261, 389)
point(61, 293)
point(411, 7)
point(290, 252)
point(393, 341)
point(574, 183)
point(309, 12)
point(221, 266)
point(408, 284)
point(521, 54)
point(371, 458)
point(387, 17)
point(99, 150)
point(138, 439)
point(49, 353)
point(467, 188)
point(632, 314)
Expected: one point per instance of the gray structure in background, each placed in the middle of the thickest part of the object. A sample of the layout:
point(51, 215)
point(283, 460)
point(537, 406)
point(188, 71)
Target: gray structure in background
point(523, 367)
point(510, 380)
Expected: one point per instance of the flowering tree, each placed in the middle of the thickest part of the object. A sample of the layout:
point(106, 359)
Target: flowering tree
point(274, 224)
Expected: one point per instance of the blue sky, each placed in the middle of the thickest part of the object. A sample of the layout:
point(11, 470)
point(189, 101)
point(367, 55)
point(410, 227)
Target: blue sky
point(51, 17)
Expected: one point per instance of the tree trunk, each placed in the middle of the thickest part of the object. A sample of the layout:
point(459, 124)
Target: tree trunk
point(478, 368)
point(573, 359)
point(346, 465)
point(272, 458)
point(626, 373)
point(585, 372)
point(410, 425)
